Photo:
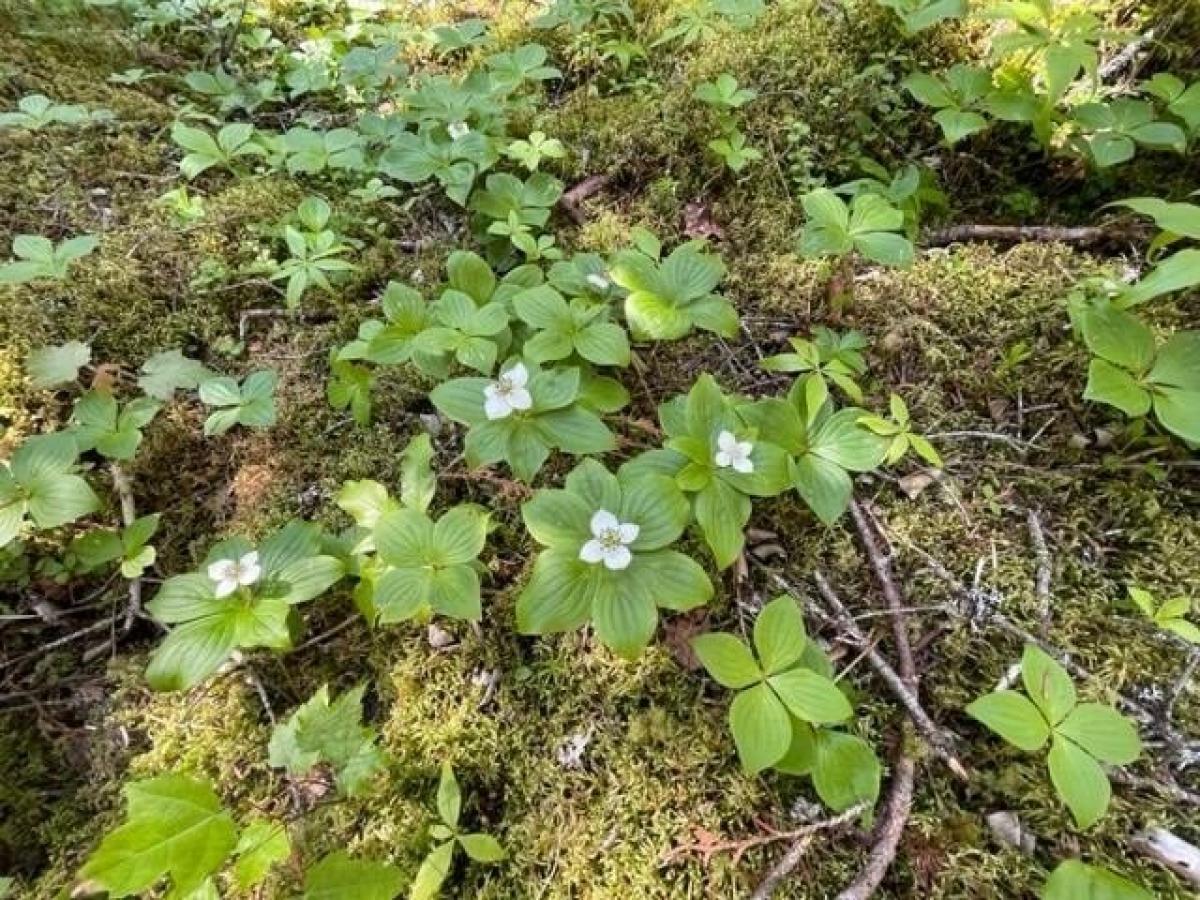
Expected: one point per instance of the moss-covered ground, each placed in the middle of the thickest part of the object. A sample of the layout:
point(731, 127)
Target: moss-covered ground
point(974, 337)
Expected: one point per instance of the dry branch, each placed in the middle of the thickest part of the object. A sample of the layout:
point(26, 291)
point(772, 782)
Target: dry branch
point(1168, 849)
point(1019, 234)
point(802, 838)
point(572, 200)
point(939, 741)
point(888, 832)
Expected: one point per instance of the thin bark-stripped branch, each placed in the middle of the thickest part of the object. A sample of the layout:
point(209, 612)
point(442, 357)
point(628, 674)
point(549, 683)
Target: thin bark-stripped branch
point(1084, 235)
point(803, 837)
point(1041, 553)
point(937, 738)
point(881, 565)
point(888, 832)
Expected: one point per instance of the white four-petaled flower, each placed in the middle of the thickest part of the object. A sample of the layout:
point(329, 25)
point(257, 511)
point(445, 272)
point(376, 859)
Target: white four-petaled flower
point(733, 454)
point(598, 281)
point(458, 130)
point(507, 393)
point(230, 574)
point(610, 541)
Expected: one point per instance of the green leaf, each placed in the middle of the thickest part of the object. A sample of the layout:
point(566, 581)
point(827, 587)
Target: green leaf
point(1177, 272)
point(51, 367)
point(331, 733)
point(263, 844)
point(459, 535)
point(366, 501)
point(811, 697)
point(801, 756)
point(1079, 780)
point(339, 877)
point(482, 848)
point(432, 873)
point(559, 594)
point(1115, 386)
point(1102, 732)
point(824, 485)
point(1075, 880)
point(779, 635)
point(175, 827)
point(657, 506)
point(624, 620)
point(1012, 716)
point(1047, 683)
point(165, 373)
point(449, 797)
point(761, 728)
point(727, 660)
point(1179, 412)
point(722, 513)
point(846, 772)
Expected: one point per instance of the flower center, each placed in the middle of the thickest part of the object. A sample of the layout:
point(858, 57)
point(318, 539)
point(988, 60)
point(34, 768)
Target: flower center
point(610, 538)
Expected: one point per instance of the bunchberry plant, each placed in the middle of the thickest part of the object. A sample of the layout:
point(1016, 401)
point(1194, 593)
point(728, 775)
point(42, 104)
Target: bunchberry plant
point(515, 210)
point(454, 155)
point(530, 152)
point(98, 422)
point(829, 356)
point(349, 387)
point(38, 258)
point(898, 430)
point(521, 415)
point(428, 567)
point(480, 847)
point(784, 700)
point(1182, 100)
point(826, 444)
point(37, 111)
point(39, 484)
point(912, 189)
point(1177, 271)
point(606, 560)
point(870, 225)
point(667, 299)
point(958, 95)
point(1134, 373)
point(130, 547)
point(1168, 615)
point(315, 250)
point(1081, 735)
point(250, 404)
point(719, 460)
point(329, 733)
point(232, 145)
point(242, 597)
point(1112, 131)
point(562, 330)
point(312, 152)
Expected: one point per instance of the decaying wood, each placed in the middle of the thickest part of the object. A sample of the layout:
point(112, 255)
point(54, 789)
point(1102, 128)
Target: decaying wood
point(572, 200)
point(1018, 234)
point(1170, 850)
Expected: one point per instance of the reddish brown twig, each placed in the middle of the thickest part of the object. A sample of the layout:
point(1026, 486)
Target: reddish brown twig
point(888, 831)
point(803, 838)
point(572, 200)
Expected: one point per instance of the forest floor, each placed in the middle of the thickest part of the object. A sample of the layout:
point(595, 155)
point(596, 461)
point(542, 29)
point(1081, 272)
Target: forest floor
point(1042, 516)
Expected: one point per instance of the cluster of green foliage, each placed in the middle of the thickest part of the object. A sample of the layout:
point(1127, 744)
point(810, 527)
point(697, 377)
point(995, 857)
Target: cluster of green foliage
point(523, 342)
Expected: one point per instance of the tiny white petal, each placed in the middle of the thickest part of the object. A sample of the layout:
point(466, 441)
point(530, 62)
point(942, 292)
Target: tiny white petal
point(518, 375)
point(496, 406)
point(629, 532)
point(519, 398)
point(592, 552)
point(222, 570)
point(743, 464)
point(604, 521)
point(599, 282)
point(723, 459)
point(726, 441)
point(225, 587)
point(617, 557)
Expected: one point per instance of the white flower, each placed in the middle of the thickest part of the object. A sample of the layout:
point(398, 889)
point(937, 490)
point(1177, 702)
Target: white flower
point(507, 393)
point(733, 454)
point(230, 574)
point(458, 130)
point(599, 282)
point(610, 537)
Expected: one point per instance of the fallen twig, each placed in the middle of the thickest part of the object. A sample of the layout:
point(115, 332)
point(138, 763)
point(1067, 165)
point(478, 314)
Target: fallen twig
point(802, 838)
point(1120, 61)
point(888, 830)
point(572, 200)
point(881, 565)
point(1041, 553)
point(124, 488)
point(1020, 234)
point(1168, 849)
point(939, 741)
